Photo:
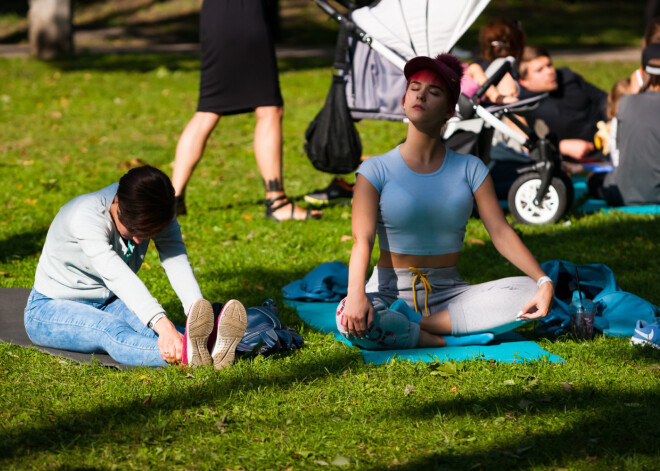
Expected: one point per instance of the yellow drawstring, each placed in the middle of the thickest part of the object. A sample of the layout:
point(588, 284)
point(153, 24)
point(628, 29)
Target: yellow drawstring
point(427, 288)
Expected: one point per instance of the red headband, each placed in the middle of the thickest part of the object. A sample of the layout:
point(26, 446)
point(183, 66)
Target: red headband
point(426, 75)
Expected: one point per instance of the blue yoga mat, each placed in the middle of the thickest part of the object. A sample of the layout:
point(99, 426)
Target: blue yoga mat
point(506, 348)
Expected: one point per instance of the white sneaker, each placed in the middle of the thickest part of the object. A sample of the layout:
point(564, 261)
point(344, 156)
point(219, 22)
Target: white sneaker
point(646, 333)
point(230, 328)
point(199, 326)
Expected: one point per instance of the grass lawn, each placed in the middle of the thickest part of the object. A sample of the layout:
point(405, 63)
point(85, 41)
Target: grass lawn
point(72, 127)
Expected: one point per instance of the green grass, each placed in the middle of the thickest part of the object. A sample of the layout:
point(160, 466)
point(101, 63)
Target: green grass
point(69, 128)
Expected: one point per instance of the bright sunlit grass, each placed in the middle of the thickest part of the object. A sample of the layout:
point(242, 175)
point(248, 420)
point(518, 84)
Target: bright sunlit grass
point(74, 127)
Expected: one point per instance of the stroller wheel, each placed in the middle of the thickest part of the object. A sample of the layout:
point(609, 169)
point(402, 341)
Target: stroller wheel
point(552, 207)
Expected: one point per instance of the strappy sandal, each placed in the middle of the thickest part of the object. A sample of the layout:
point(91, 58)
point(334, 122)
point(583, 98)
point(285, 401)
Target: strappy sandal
point(181, 209)
point(271, 207)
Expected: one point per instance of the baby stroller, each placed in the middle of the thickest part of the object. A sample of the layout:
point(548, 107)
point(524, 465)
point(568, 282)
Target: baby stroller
point(383, 35)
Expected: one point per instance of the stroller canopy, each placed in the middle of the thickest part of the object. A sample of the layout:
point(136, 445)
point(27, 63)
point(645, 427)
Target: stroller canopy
point(418, 27)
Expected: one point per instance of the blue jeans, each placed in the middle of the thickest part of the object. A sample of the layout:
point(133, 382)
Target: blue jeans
point(92, 328)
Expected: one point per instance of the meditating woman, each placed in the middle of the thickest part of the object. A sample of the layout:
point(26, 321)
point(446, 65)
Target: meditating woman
point(418, 199)
point(88, 298)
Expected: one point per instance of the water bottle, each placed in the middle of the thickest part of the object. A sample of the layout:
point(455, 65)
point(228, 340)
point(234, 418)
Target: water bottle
point(582, 312)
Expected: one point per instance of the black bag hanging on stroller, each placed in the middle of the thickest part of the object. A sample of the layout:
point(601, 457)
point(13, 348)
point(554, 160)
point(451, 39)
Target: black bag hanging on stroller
point(332, 143)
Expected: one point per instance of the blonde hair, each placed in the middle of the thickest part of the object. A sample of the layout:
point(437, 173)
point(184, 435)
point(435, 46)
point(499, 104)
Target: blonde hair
point(621, 87)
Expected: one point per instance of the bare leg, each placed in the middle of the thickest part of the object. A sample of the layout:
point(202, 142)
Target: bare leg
point(435, 331)
point(430, 340)
point(432, 329)
point(438, 323)
point(268, 153)
point(190, 148)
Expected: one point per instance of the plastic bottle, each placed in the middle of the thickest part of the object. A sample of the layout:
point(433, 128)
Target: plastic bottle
point(582, 311)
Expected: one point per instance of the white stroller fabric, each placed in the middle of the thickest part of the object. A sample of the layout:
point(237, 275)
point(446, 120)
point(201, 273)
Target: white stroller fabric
point(418, 27)
point(374, 86)
point(396, 31)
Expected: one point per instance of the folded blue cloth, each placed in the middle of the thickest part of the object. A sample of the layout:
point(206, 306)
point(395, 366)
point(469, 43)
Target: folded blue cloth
point(327, 282)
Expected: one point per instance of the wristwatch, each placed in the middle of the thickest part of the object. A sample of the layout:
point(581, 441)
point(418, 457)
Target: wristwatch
point(155, 319)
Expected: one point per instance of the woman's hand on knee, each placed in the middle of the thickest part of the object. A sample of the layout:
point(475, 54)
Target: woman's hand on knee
point(358, 315)
point(170, 341)
point(539, 305)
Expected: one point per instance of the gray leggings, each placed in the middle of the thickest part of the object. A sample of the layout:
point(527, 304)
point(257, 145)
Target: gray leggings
point(486, 307)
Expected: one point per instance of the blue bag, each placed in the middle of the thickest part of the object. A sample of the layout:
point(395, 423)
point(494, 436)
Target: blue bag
point(617, 311)
point(328, 283)
point(265, 334)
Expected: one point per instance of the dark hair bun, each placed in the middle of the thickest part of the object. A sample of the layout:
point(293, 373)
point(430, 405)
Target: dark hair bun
point(452, 62)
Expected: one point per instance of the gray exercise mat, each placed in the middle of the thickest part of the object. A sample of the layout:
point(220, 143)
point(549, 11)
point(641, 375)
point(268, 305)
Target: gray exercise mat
point(12, 305)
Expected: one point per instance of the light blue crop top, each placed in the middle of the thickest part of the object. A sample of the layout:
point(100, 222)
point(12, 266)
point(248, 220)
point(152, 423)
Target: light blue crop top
point(423, 214)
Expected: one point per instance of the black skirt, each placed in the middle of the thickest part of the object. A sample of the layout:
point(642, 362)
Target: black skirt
point(239, 69)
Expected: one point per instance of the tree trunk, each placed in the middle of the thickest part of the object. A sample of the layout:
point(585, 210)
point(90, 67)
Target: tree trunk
point(51, 28)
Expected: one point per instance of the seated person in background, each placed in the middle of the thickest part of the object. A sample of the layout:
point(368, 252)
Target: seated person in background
point(651, 36)
point(499, 38)
point(573, 106)
point(636, 178)
point(605, 138)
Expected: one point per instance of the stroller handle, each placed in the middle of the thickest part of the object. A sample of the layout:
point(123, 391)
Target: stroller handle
point(508, 67)
point(360, 34)
point(331, 11)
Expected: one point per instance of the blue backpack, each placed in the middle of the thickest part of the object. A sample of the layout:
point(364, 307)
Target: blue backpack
point(265, 334)
point(617, 311)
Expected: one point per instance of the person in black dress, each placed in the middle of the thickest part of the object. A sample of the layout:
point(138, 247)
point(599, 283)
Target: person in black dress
point(238, 75)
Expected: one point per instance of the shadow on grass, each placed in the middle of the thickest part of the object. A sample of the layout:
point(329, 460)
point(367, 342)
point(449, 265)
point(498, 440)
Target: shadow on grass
point(21, 8)
point(601, 424)
point(129, 62)
point(85, 427)
point(147, 61)
point(269, 284)
point(21, 246)
point(612, 426)
point(625, 243)
point(178, 29)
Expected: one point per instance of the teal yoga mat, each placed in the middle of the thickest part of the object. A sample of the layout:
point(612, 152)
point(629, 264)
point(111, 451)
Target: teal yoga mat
point(506, 348)
point(593, 205)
